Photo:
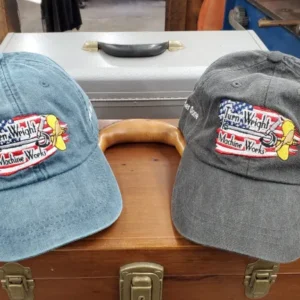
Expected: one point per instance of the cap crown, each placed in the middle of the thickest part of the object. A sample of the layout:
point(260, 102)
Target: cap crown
point(244, 116)
point(47, 123)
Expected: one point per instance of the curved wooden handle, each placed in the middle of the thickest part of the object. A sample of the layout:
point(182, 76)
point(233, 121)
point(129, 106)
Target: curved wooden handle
point(141, 131)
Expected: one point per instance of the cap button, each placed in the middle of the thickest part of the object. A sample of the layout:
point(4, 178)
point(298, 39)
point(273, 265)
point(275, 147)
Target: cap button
point(275, 56)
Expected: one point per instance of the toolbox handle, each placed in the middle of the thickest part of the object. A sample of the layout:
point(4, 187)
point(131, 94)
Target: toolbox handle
point(132, 50)
point(141, 131)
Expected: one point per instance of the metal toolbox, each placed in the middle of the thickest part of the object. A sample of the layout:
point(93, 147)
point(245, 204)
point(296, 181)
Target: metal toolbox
point(148, 87)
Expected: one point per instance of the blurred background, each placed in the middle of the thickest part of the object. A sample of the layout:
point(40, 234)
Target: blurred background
point(103, 15)
point(276, 22)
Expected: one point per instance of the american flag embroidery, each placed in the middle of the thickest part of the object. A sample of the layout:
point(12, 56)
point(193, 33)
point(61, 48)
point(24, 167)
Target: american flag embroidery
point(255, 131)
point(28, 140)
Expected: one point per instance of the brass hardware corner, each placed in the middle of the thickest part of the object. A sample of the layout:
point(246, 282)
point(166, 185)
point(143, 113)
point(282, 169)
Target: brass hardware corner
point(259, 277)
point(17, 281)
point(175, 45)
point(141, 281)
point(91, 46)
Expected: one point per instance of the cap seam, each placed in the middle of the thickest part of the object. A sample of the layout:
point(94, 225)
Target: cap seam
point(242, 68)
point(201, 84)
point(232, 69)
point(237, 174)
point(189, 236)
point(77, 165)
point(291, 69)
point(48, 61)
point(61, 72)
point(9, 88)
point(248, 67)
point(186, 211)
point(268, 87)
point(10, 85)
point(264, 104)
point(74, 84)
point(73, 215)
point(241, 223)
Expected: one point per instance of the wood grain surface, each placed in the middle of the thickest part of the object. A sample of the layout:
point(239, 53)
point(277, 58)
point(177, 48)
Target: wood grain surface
point(9, 19)
point(192, 14)
point(182, 14)
point(175, 15)
point(279, 9)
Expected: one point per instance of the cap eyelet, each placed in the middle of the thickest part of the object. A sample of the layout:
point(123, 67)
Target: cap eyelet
point(44, 84)
point(236, 84)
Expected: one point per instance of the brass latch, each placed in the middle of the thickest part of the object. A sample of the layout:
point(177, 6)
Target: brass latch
point(17, 281)
point(141, 281)
point(259, 277)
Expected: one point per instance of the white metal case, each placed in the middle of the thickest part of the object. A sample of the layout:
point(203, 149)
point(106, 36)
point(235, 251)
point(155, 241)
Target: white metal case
point(152, 87)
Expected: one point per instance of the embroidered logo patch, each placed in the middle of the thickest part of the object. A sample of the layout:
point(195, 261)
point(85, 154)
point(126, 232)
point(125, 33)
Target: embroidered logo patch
point(255, 131)
point(28, 140)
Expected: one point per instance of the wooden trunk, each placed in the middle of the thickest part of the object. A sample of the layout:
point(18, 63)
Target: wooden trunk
point(89, 268)
point(182, 15)
point(9, 18)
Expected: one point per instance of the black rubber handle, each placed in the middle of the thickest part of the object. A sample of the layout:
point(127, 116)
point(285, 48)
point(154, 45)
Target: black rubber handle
point(139, 50)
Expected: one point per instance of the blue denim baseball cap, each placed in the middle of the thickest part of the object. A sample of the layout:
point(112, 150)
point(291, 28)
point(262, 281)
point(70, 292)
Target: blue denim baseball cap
point(55, 183)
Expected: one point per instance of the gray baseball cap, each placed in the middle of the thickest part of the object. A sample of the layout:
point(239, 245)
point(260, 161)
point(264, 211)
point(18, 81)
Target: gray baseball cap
point(238, 183)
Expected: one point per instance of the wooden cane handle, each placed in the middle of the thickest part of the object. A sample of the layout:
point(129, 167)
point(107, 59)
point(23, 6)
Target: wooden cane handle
point(141, 131)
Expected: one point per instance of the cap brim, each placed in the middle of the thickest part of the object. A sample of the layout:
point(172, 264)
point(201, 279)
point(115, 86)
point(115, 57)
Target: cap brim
point(216, 208)
point(45, 215)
